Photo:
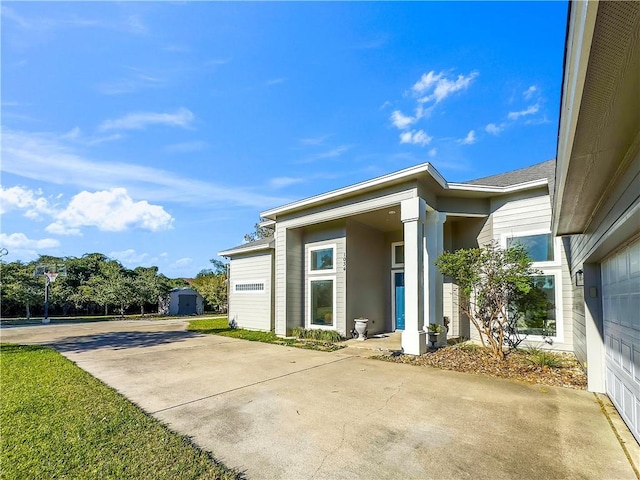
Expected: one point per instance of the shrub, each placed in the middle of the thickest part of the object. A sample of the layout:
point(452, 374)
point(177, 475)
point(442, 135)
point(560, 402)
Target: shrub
point(317, 334)
point(543, 358)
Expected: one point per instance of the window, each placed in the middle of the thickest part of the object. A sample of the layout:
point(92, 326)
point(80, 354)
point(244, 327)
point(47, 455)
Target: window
point(249, 287)
point(321, 292)
point(539, 247)
point(322, 259)
point(322, 301)
point(397, 254)
point(541, 321)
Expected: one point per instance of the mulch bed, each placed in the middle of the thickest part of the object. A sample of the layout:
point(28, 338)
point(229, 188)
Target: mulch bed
point(516, 366)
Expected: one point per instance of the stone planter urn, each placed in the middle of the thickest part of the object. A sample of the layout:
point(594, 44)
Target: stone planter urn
point(361, 328)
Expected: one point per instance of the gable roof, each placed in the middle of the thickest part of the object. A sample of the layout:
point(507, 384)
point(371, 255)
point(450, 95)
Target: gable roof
point(256, 245)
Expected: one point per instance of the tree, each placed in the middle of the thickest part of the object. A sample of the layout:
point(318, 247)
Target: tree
point(18, 285)
point(212, 285)
point(495, 288)
point(260, 231)
point(148, 286)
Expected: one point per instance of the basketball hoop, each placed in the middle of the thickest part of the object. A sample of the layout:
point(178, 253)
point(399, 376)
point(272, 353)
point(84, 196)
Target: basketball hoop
point(51, 276)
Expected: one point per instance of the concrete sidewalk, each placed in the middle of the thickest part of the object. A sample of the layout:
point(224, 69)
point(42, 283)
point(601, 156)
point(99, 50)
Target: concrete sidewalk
point(280, 412)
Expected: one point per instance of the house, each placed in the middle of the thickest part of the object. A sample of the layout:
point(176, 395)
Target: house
point(182, 301)
point(368, 250)
point(596, 206)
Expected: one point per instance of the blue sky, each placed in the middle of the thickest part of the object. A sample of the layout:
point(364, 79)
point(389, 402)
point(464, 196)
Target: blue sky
point(156, 133)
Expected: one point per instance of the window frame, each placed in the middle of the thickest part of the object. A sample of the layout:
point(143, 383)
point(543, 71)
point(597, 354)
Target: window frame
point(559, 336)
point(394, 263)
point(315, 248)
point(316, 278)
point(529, 233)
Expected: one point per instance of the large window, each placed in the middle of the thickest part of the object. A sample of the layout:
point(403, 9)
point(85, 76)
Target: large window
point(321, 299)
point(321, 293)
point(541, 320)
point(539, 247)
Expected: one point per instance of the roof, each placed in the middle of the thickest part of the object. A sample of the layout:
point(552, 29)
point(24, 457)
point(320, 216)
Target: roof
point(538, 171)
point(261, 244)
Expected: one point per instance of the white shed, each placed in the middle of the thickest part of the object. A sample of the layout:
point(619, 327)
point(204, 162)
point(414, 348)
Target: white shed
point(184, 301)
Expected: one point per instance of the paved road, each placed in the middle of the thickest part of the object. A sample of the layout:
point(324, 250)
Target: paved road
point(280, 412)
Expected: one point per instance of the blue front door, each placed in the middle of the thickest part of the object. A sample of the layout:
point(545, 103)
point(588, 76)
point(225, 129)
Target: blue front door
point(398, 291)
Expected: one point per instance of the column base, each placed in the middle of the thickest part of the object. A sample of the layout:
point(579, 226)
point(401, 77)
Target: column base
point(414, 342)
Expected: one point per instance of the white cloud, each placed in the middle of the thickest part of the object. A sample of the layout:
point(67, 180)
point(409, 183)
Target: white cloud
point(314, 141)
point(140, 120)
point(333, 153)
point(415, 137)
point(129, 257)
point(433, 152)
point(45, 157)
point(529, 92)
point(21, 242)
point(494, 129)
point(400, 120)
point(60, 229)
point(439, 86)
point(275, 81)
point(280, 182)
point(470, 139)
point(111, 211)
point(23, 198)
point(527, 111)
point(182, 262)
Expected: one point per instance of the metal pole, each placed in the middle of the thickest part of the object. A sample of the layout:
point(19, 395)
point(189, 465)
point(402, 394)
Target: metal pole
point(46, 300)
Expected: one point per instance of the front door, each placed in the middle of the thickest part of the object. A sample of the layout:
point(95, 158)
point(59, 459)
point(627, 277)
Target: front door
point(398, 299)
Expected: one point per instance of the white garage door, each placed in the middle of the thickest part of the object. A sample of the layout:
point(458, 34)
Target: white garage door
point(621, 312)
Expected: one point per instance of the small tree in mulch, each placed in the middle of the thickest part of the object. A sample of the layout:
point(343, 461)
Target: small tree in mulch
point(496, 288)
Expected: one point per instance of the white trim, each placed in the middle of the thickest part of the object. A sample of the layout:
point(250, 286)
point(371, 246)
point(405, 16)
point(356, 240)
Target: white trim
point(395, 264)
point(393, 298)
point(582, 21)
point(241, 249)
point(559, 337)
point(495, 189)
point(325, 246)
point(309, 302)
point(557, 246)
point(249, 282)
point(359, 187)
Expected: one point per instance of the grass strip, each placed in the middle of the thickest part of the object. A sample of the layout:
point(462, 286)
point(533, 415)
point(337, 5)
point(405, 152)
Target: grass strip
point(60, 422)
point(220, 326)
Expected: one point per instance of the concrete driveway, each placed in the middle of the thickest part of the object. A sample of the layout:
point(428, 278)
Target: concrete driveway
point(280, 412)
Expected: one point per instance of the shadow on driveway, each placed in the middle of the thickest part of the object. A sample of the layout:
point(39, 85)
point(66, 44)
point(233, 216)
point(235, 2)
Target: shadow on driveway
point(119, 340)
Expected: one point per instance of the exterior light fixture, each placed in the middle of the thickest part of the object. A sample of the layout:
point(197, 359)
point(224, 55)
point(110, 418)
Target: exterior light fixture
point(579, 278)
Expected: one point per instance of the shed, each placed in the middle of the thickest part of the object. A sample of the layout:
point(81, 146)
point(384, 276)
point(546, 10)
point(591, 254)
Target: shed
point(183, 301)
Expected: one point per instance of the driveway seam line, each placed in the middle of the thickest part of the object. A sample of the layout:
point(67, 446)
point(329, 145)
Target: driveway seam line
point(618, 437)
point(247, 386)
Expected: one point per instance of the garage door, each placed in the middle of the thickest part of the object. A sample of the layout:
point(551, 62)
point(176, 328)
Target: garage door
point(621, 312)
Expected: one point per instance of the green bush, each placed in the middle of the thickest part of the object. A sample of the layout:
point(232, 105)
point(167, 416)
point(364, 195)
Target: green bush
point(317, 334)
point(543, 358)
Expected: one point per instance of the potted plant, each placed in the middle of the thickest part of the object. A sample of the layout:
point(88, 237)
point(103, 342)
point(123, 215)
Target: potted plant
point(361, 327)
point(434, 330)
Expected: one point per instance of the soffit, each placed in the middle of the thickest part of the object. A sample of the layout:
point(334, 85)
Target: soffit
point(607, 132)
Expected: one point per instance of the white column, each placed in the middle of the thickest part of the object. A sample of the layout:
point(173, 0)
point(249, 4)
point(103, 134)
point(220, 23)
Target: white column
point(433, 278)
point(413, 215)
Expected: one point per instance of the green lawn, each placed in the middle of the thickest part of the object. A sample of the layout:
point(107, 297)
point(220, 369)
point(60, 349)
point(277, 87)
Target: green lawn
point(220, 326)
point(60, 422)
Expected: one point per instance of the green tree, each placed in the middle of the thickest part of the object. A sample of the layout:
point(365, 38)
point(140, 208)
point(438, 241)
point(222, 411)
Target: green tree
point(19, 286)
point(212, 285)
point(260, 231)
point(495, 287)
point(148, 286)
